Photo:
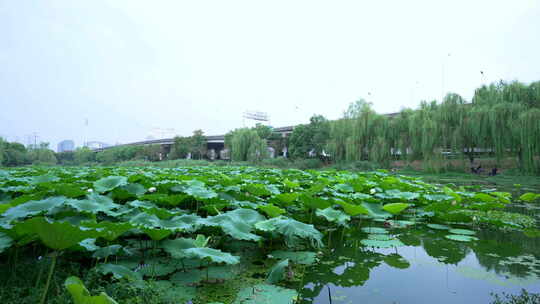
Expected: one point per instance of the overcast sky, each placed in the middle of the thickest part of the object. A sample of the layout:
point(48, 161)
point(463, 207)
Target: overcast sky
point(131, 66)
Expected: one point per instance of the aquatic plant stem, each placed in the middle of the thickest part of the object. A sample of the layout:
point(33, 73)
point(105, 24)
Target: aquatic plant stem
point(49, 277)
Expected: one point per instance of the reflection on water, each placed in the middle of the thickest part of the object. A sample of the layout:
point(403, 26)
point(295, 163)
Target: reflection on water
point(429, 269)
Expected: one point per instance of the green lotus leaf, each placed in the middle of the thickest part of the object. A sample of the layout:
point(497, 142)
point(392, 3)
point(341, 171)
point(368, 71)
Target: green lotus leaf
point(170, 293)
point(297, 257)
point(376, 210)
point(462, 231)
point(47, 178)
point(345, 188)
point(334, 216)
point(277, 272)
point(134, 189)
point(352, 209)
point(313, 202)
point(265, 293)
point(238, 223)
point(529, 197)
point(184, 222)
point(89, 245)
point(380, 237)
point(119, 272)
point(291, 184)
point(109, 183)
point(461, 238)
point(438, 197)
point(93, 204)
point(285, 199)
point(5, 242)
point(257, 189)
point(176, 248)
point(55, 235)
point(81, 295)
point(484, 197)
point(211, 254)
point(154, 268)
point(198, 190)
point(33, 208)
point(109, 230)
point(395, 208)
point(382, 244)
point(104, 252)
point(397, 261)
point(375, 230)
point(438, 227)
point(291, 230)
point(157, 234)
point(271, 210)
point(145, 220)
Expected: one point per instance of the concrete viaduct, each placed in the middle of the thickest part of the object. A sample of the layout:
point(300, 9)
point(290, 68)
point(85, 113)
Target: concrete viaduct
point(215, 144)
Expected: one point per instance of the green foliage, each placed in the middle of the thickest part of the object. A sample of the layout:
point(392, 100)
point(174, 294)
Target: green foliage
point(277, 272)
point(246, 145)
point(265, 293)
point(81, 295)
point(309, 138)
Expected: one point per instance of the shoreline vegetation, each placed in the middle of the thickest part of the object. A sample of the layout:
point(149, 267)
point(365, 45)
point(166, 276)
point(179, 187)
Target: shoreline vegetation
point(497, 130)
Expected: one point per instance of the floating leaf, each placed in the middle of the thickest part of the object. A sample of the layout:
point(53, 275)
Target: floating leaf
point(461, 238)
point(377, 230)
point(376, 210)
point(104, 252)
point(462, 231)
point(267, 294)
point(382, 244)
point(529, 197)
point(438, 227)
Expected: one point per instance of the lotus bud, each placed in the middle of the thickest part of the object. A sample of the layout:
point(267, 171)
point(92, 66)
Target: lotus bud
point(454, 203)
point(152, 189)
point(90, 190)
point(474, 218)
point(372, 191)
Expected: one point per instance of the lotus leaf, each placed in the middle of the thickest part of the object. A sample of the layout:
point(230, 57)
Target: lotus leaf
point(119, 272)
point(109, 183)
point(213, 255)
point(81, 295)
point(462, 231)
point(382, 244)
point(267, 294)
point(297, 257)
point(277, 272)
point(395, 208)
point(292, 230)
point(5, 242)
point(334, 216)
point(461, 238)
point(438, 227)
point(397, 261)
point(271, 210)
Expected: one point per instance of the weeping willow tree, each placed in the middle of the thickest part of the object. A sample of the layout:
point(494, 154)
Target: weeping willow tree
point(530, 141)
point(245, 144)
point(501, 121)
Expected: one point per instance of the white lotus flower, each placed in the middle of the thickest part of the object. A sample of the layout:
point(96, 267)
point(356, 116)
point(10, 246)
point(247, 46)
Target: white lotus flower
point(372, 191)
point(90, 190)
point(454, 203)
point(152, 189)
point(474, 218)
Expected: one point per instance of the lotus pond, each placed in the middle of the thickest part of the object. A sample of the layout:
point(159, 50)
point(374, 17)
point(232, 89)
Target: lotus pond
point(253, 235)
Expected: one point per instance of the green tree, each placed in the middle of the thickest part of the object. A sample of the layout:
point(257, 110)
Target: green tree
point(245, 144)
point(310, 138)
point(181, 147)
point(198, 144)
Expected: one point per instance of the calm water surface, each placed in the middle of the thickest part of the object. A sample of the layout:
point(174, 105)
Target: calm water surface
point(429, 269)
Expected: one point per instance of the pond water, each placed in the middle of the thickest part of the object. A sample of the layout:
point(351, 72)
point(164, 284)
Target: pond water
point(428, 269)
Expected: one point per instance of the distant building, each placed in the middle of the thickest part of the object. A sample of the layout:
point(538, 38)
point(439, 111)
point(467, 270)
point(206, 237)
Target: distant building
point(96, 145)
point(66, 145)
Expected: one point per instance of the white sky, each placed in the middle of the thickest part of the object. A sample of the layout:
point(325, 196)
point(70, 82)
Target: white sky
point(129, 66)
